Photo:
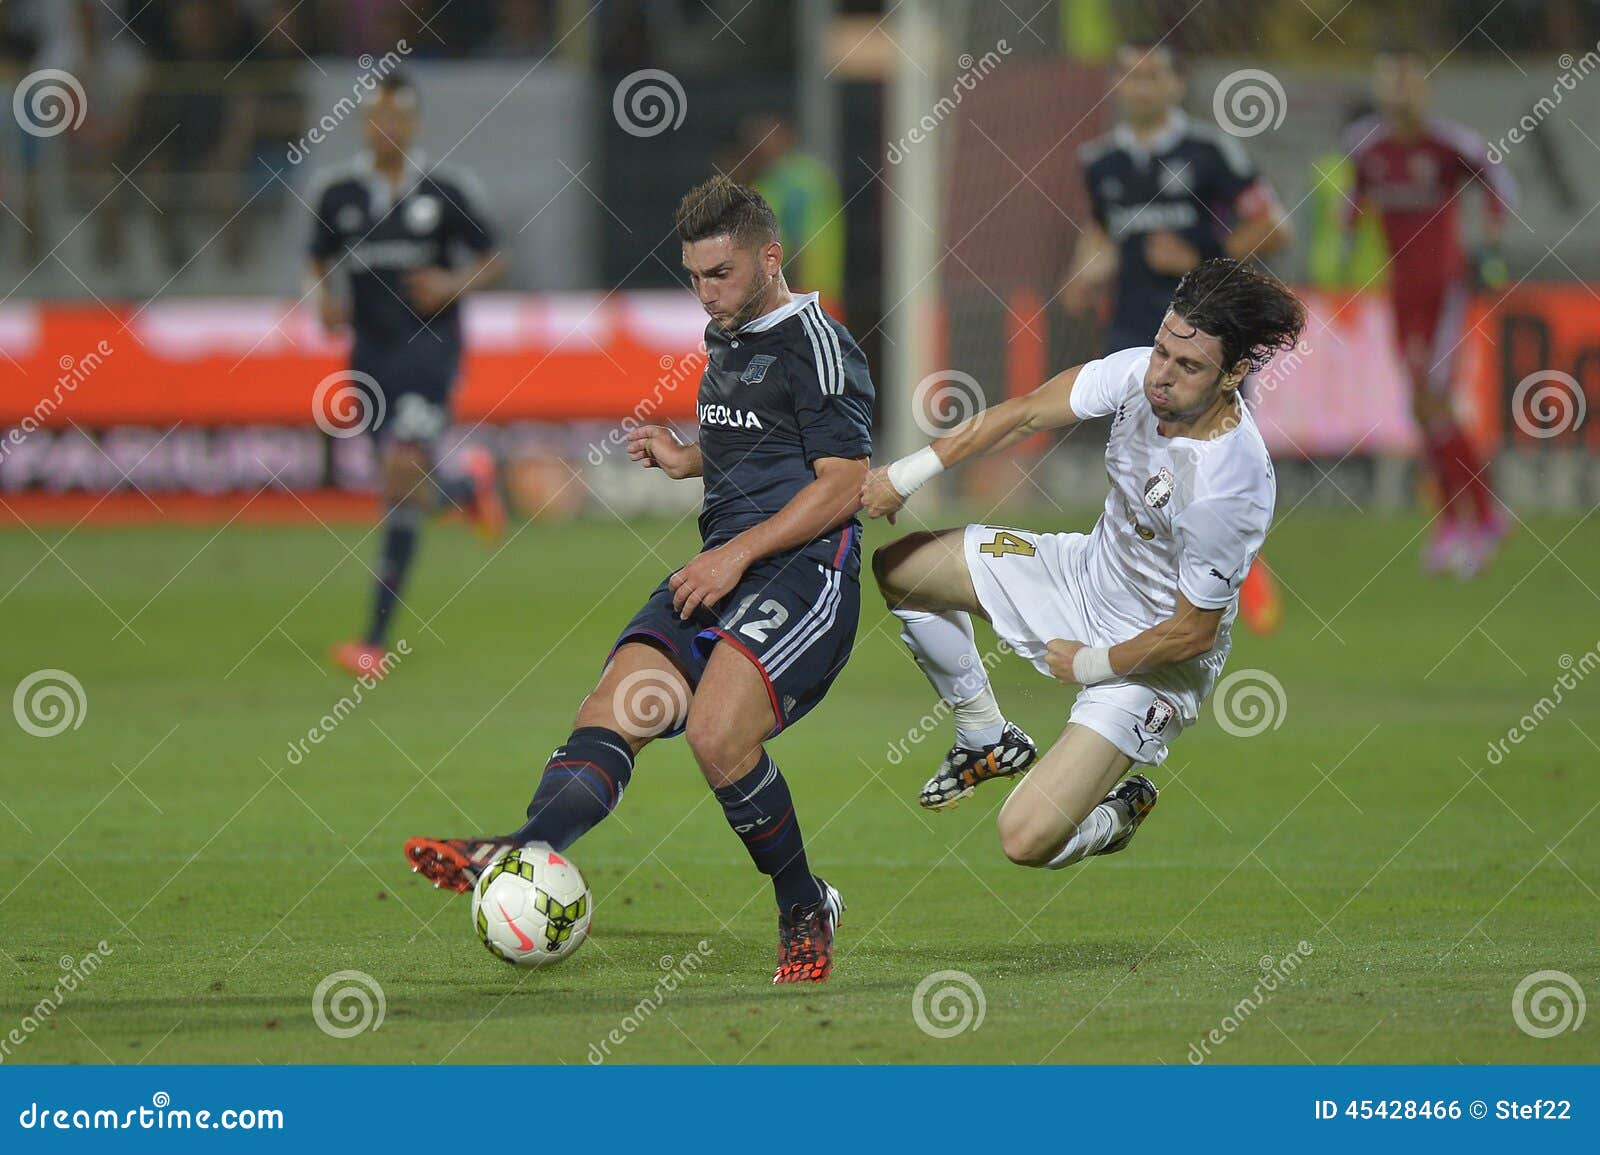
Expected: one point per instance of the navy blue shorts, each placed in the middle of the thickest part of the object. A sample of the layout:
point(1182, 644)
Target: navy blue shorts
point(792, 616)
point(416, 380)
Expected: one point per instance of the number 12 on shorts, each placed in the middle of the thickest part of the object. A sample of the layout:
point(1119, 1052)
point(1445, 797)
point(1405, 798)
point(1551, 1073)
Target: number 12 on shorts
point(1007, 542)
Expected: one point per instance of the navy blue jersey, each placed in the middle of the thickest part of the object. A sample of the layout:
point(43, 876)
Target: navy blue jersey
point(380, 237)
point(1190, 179)
point(786, 389)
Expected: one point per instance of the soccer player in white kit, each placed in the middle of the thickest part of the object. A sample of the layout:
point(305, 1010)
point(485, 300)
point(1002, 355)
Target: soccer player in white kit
point(1136, 612)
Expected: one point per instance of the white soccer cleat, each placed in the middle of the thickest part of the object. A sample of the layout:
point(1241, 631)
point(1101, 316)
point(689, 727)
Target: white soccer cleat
point(962, 770)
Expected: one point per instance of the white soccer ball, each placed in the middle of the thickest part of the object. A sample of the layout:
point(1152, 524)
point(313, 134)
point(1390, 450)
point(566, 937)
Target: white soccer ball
point(531, 907)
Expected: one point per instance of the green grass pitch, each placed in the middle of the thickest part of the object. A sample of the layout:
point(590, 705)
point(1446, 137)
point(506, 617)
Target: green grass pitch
point(1425, 877)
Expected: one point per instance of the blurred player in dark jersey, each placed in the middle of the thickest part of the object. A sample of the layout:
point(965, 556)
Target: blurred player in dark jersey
point(746, 638)
point(411, 239)
point(1168, 193)
point(1411, 169)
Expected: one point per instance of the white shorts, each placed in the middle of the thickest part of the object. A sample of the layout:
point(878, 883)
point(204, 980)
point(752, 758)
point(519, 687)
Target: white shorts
point(1034, 598)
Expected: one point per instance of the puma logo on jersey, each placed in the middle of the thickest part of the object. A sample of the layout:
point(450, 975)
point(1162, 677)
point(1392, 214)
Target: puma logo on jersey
point(1224, 578)
point(726, 415)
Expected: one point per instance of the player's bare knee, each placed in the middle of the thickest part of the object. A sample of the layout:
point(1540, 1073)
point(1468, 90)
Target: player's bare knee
point(888, 567)
point(1025, 841)
point(724, 757)
point(405, 475)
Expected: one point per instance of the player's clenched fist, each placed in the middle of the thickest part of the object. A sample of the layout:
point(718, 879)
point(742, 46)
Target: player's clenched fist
point(1059, 654)
point(706, 580)
point(879, 497)
point(657, 447)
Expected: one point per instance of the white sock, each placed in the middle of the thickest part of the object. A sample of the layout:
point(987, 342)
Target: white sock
point(946, 649)
point(1102, 825)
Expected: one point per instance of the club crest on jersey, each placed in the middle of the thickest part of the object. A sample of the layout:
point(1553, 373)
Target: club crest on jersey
point(422, 213)
point(1179, 178)
point(757, 369)
point(729, 416)
point(1158, 715)
point(1158, 490)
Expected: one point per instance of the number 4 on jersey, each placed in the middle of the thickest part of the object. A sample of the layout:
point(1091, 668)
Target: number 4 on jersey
point(1007, 542)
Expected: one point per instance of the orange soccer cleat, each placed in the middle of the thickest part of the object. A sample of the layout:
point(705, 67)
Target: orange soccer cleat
point(487, 513)
point(454, 863)
point(359, 658)
point(805, 939)
point(1260, 605)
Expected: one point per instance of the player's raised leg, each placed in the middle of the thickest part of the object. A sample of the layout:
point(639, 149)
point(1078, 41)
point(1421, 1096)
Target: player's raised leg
point(729, 719)
point(925, 581)
point(1074, 803)
point(640, 696)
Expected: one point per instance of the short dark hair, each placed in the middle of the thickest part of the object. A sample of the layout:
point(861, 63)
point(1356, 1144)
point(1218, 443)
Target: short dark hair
point(1148, 46)
point(1241, 305)
point(721, 207)
point(397, 82)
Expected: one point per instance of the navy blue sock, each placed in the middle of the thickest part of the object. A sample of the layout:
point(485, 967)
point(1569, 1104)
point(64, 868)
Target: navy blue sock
point(455, 492)
point(582, 783)
point(761, 812)
point(401, 526)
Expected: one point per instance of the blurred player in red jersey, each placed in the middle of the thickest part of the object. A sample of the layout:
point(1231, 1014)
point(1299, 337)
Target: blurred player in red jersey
point(1411, 169)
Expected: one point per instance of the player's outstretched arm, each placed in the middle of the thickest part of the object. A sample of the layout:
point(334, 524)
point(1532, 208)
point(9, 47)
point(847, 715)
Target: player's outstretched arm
point(1049, 406)
point(822, 506)
point(1188, 633)
point(657, 447)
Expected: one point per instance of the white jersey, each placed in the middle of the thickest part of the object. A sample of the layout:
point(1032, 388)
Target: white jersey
point(1182, 514)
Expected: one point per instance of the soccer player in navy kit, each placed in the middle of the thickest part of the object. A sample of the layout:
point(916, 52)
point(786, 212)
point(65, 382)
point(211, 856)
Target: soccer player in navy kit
point(1168, 193)
point(747, 637)
point(412, 239)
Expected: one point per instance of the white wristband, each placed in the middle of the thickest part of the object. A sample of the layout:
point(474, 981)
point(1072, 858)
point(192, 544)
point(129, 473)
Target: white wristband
point(912, 472)
point(1092, 664)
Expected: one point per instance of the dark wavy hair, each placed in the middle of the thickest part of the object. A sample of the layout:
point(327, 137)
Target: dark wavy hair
point(1239, 303)
point(724, 208)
